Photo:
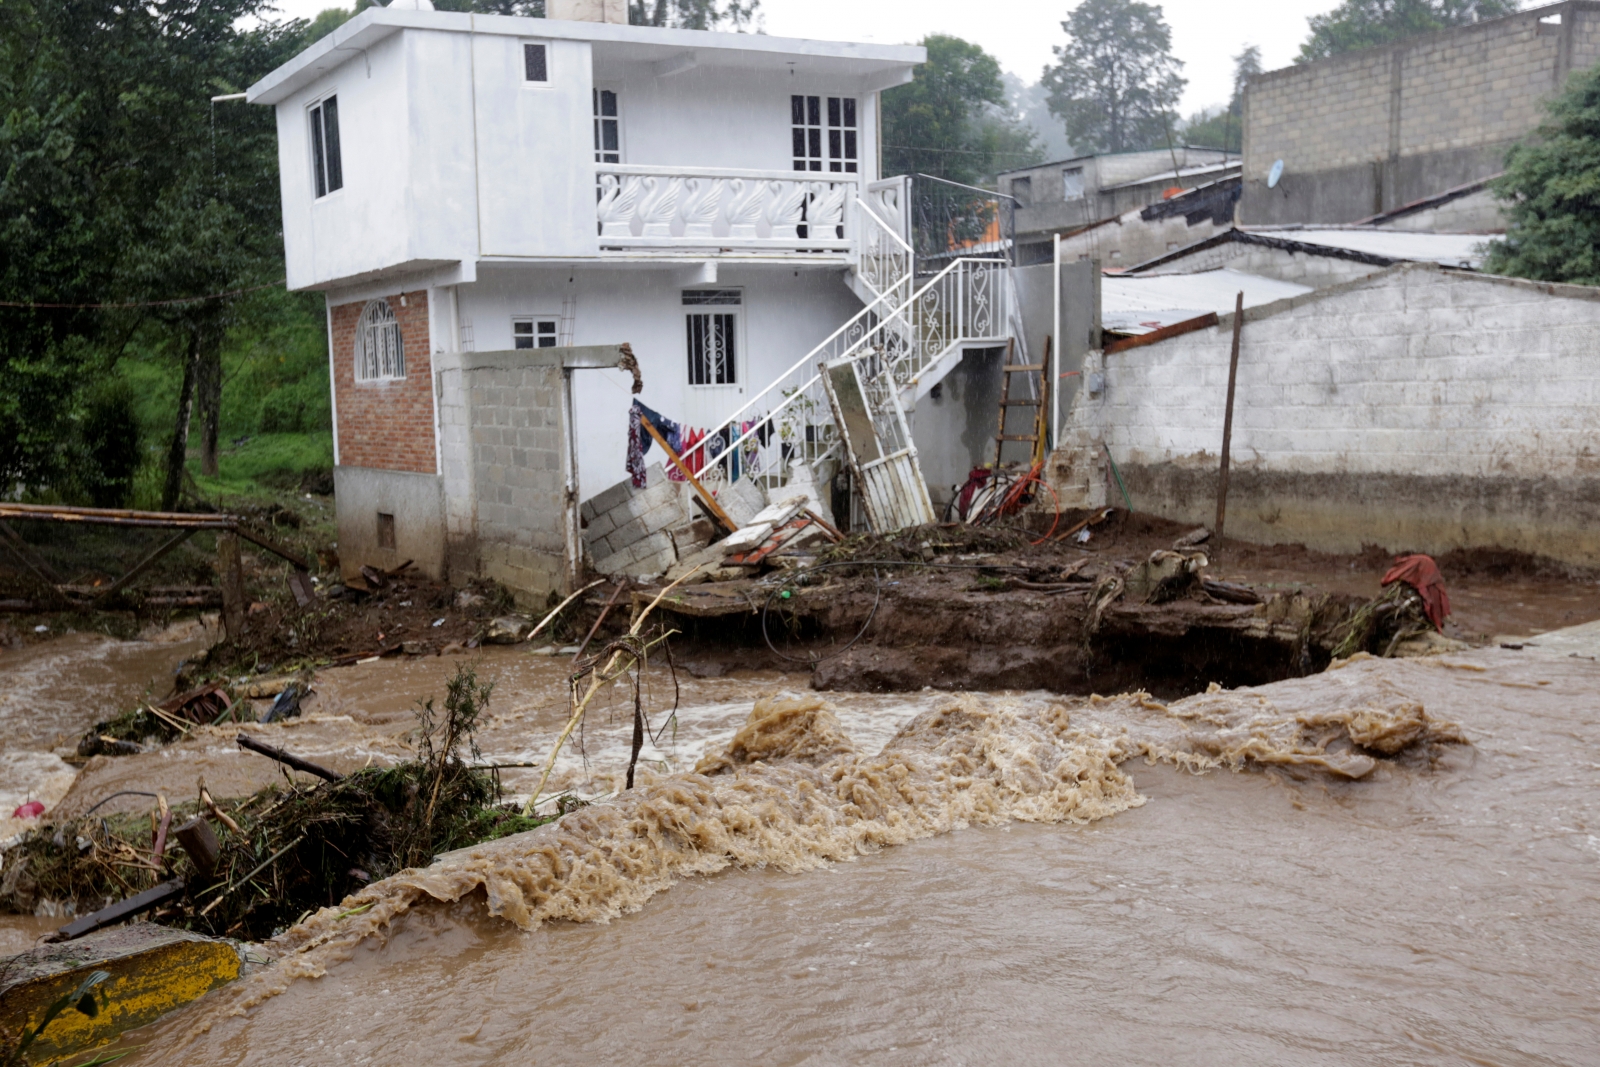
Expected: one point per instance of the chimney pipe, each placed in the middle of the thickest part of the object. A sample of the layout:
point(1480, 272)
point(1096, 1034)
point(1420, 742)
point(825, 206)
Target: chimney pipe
point(613, 11)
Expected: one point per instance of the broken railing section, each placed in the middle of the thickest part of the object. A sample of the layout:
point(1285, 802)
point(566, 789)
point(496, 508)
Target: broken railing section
point(61, 593)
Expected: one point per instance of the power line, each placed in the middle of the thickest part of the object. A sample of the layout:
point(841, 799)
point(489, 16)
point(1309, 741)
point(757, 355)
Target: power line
point(146, 303)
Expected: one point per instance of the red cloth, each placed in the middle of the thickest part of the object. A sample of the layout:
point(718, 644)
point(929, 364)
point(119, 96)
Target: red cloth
point(1422, 574)
point(976, 480)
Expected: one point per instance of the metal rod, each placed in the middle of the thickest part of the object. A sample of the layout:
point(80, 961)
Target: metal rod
point(1227, 417)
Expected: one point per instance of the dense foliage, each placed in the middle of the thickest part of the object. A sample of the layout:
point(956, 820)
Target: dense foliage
point(121, 183)
point(953, 120)
point(1115, 82)
point(1357, 24)
point(1551, 193)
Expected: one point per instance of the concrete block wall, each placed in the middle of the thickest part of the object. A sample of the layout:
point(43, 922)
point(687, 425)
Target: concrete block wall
point(518, 447)
point(1418, 408)
point(1368, 131)
point(627, 530)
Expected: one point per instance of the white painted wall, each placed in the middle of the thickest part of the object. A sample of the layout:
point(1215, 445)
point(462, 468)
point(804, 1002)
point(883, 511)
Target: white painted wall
point(362, 226)
point(535, 148)
point(786, 313)
point(1418, 407)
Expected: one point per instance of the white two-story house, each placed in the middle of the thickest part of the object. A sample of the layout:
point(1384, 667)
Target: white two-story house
point(463, 185)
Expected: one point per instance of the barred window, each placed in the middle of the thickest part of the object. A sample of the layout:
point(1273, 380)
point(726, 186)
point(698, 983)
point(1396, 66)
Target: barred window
point(380, 350)
point(713, 356)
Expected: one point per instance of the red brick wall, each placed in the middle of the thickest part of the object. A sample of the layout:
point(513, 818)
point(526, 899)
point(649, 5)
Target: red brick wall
point(385, 424)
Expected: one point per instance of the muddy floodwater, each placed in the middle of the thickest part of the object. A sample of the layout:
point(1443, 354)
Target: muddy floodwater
point(983, 878)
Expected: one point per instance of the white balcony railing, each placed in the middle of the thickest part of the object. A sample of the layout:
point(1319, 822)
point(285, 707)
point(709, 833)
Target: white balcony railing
point(645, 207)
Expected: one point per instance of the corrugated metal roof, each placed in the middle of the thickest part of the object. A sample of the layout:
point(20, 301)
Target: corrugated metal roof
point(1136, 304)
point(1445, 249)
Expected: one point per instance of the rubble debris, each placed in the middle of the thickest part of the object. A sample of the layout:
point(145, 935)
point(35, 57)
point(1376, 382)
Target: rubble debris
point(1197, 536)
point(120, 911)
point(507, 630)
point(1166, 575)
point(135, 975)
point(1422, 574)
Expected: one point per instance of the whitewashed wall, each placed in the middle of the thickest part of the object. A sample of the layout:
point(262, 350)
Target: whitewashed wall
point(1418, 408)
point(786, 312)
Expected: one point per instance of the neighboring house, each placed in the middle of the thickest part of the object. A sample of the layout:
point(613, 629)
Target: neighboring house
point(1363, 133)
point(1141, 233)
point(1419, 408)
point(1068, 195)
point(471, 190)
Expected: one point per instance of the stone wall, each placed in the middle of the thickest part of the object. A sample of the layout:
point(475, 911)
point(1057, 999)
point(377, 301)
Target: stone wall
point(1367, 131)
point(1416, 409)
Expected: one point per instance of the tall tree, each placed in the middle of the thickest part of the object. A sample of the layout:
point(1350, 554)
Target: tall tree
point(1115, 82)
point(1551, 192)
point(738, 15)
point(1225, 128)
point(113, 192)
point(1357, 24)
point(954, 120)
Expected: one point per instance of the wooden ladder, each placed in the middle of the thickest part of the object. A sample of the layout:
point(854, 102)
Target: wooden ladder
point(1036, 438)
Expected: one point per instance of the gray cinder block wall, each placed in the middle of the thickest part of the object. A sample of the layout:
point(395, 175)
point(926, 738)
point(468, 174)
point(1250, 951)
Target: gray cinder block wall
point(1369, 131)
point(1418, 408)
point(628, 530)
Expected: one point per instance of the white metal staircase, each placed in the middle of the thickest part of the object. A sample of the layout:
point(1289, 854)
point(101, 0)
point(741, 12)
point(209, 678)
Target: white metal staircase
point(916, 333)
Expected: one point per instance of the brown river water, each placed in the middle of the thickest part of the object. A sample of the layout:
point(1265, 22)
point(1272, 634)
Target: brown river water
point(937, 878)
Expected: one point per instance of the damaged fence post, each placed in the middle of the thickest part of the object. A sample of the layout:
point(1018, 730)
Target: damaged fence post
point(230, 574)
point(1227, 417)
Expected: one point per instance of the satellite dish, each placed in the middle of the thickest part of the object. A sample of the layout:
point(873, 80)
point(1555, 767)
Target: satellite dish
point(1275, 175)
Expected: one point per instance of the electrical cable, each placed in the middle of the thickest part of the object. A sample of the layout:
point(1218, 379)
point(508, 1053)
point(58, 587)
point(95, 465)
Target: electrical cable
point(113, 796)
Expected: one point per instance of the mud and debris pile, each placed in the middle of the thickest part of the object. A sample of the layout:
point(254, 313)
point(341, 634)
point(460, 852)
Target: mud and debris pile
point(283, 850)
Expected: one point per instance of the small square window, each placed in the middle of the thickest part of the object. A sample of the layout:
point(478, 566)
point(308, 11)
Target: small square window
point(536, 332)
point(535, 65)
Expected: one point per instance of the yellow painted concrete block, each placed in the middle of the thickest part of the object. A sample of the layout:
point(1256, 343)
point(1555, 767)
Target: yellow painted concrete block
point(153, 970)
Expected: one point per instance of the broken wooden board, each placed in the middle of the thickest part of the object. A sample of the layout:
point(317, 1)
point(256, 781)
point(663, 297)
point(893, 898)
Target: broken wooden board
point(153, 969)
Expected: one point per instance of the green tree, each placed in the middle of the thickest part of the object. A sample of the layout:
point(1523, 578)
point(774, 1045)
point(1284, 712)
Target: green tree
point(1357, 24)
point(1551, 192)
point(739, 15)
point(1115, 82)
point(1225, 128)
point(112, 191)
point(953, 120)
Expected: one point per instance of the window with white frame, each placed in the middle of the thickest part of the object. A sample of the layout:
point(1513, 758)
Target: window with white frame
point(824, 133)
point(327, 166)
point(535, 64)
point(713, 326)
point(607, 127)
point(538, 331)
point(380, 350)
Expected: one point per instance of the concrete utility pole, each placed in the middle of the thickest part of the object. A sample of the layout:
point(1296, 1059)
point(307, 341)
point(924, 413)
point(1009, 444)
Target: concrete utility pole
point(1227, 419)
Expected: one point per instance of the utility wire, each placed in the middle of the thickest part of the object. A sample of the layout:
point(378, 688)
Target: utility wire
point(146, 303)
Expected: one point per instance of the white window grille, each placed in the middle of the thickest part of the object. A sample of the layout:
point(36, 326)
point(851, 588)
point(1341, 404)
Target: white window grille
point(535, 64)
point(824, 133)
point(536, 332)
point(712, 336)
point(380, 350)
point(467, 343)
point(1072, 183)
point(327, 164)
point(607, 127)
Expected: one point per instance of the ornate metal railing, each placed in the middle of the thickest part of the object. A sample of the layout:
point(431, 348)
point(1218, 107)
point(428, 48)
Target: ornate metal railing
point(645, 207)
point(788, 421)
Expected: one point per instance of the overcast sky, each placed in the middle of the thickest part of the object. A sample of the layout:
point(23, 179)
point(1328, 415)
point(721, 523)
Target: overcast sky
point(1020, 33)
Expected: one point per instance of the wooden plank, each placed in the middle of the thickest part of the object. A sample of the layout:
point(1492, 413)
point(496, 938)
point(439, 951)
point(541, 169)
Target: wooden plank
point(706, 498)
point(272, 546)
point(123, 909)
point(1176, 329)
point(31, 559)
point(1020, 368)
point(116, 516)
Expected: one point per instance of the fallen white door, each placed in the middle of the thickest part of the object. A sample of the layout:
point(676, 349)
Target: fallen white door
point(877, 443)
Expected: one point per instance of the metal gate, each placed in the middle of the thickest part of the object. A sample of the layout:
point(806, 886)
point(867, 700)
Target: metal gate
point(877, 442)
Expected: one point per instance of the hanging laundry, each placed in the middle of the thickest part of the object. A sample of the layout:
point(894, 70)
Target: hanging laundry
point(639, 439)
point(751, 448)
point(693, 458)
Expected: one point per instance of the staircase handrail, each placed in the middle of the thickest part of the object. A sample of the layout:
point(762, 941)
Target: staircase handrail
point(809, 359)
point(850, 353)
